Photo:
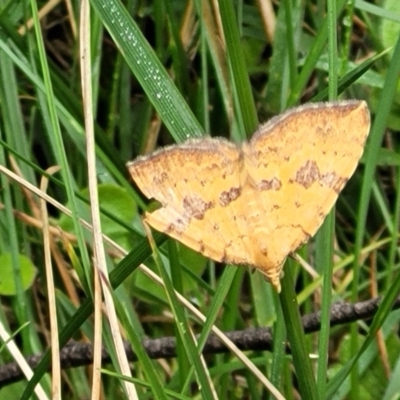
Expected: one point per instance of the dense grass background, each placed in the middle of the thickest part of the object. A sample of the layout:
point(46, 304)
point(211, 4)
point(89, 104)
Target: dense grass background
point(162, 72)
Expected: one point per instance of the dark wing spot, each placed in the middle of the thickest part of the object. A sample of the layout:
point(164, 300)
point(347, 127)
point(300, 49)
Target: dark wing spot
point(177, 227)
point(224, 259)
point(307, 174)
point(329, 179)
point(271, 184)
point(170, 229)
point(264, 251)
point(159, 179)
point(333, 181)
point(196, 207)
point(202, 248)
point(228, 196)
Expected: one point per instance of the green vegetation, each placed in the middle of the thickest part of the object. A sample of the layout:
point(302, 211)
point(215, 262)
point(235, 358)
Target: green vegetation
point(162, 72)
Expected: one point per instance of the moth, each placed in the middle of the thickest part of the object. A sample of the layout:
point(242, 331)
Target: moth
point(255, 203)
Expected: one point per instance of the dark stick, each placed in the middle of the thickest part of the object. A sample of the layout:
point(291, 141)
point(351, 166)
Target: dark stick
point(76, 354)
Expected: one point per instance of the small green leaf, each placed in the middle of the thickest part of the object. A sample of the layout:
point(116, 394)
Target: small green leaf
point(7, 280)
point(117, 203)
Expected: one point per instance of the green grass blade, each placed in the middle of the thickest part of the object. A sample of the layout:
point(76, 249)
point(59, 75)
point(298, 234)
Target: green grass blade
point(245, 104)
point(183, 328)
point(311, 60)
point(294, 328)
point(375, 140)
point(325, 236)
point(148, 70)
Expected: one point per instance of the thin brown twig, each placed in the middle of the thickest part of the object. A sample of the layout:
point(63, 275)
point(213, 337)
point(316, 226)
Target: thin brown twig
point(77, 354)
